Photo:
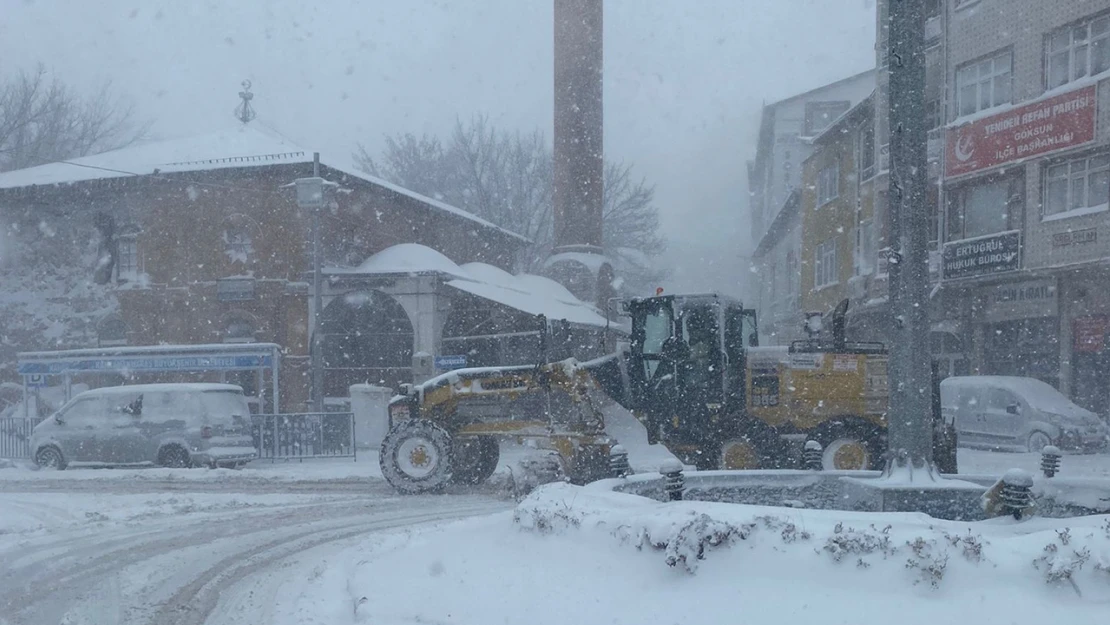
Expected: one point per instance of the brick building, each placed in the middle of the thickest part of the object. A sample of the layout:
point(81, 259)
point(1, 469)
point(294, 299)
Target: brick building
point(209, 247)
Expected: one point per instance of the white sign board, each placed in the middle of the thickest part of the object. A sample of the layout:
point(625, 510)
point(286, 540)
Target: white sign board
point(1021, 300)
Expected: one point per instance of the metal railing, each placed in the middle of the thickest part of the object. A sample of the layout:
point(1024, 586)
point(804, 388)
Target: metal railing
point(298, 436)
point(15, 438)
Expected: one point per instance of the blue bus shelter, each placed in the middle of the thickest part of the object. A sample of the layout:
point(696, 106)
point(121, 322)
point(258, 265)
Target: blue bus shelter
point(40, 369)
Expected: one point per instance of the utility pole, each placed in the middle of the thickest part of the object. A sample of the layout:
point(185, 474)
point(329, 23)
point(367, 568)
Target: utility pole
point(909, 419)
point(316, 355)
point(311, 197)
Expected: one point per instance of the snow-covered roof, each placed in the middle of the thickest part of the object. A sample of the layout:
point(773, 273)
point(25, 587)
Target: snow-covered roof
point(528, 293)
point(243, 146)
point(593, 262)
point(165, 387)
point(406, 259)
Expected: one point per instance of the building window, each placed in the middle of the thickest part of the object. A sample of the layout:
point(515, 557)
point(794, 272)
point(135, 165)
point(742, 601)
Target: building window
point(867, 151)
point(820, 115)
point(239, 330)
point(828, 184)
point(128, 257)
point(792, 279)
point(933, 117)
point(1077, 51)
point(984, 207)
point(238, 238)
point(865, 248)
point(983, 84)
point(1081, 185)
point(111, 331)
point(824, 265)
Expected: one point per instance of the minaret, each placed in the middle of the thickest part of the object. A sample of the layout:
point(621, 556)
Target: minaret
point(578, 259)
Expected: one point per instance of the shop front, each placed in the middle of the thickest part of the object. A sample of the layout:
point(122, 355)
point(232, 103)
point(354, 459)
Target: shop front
point(1020, 329)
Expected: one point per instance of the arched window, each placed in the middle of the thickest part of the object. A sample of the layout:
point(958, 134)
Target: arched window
point(111, 331)
point(367, 337)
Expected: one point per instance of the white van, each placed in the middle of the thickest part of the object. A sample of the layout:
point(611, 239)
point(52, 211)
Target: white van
point(169, 425)
point(1003, 412)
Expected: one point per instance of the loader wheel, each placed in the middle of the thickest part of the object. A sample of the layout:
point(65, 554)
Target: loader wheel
point(751, 445)
point(850, 445)
point(475, 459)
point(740, 454)
point(416, 456)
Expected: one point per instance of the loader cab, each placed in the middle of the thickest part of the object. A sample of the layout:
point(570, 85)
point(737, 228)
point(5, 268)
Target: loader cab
point(689, 351)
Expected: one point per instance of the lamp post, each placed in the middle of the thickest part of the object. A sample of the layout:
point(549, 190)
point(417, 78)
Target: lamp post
point(311, 197)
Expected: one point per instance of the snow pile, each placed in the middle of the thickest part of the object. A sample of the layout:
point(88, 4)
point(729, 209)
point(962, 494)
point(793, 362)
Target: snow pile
point(586, 555)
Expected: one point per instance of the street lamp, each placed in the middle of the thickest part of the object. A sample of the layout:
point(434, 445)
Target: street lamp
point(311, 196)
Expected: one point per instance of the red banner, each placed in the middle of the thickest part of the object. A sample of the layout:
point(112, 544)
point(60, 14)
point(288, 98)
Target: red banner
point(1062, 121)
point(1090, 333)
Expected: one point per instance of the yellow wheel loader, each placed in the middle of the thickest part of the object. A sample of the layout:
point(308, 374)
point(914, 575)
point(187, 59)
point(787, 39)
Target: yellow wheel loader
point(692, 372)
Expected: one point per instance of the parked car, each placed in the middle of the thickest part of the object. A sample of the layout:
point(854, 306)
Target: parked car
point(996, 412)
point(169, 425)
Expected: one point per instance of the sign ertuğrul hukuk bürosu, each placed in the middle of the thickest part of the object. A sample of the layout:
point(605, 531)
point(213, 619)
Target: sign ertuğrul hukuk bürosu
point(1058, 122)
point(996, 253)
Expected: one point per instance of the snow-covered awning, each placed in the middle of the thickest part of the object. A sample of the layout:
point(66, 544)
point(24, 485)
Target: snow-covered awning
point(528, 293)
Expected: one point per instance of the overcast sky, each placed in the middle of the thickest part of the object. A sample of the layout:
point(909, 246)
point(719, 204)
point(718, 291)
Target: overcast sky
point(684, 80)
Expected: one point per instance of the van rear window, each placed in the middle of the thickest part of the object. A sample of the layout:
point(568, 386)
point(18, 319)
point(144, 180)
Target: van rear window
point(225, 404)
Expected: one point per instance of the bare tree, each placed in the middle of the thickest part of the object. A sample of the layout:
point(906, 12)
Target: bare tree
point(507, 178)
point(42, 121)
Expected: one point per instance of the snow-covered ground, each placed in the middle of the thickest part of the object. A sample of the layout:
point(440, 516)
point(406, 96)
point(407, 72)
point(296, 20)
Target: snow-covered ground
point(575, 555)
point(329, 542)
point(98, 559)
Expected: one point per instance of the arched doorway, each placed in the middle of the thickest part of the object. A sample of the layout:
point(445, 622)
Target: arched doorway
point(367, 337)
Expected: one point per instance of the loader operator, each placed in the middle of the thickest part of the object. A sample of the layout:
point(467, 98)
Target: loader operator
point(701, 370)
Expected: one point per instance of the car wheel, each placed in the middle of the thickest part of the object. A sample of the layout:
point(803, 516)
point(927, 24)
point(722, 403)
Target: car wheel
point(50, 457)
point(1037, 441)
point(174, 457)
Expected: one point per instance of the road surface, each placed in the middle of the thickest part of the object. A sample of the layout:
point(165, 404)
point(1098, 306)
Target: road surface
point(110, 553)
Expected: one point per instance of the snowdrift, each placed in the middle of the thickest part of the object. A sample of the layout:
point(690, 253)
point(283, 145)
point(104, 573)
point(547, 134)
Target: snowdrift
point(574, 555)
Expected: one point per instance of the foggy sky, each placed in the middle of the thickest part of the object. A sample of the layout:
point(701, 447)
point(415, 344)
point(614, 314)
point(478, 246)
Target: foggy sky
point(684, 80)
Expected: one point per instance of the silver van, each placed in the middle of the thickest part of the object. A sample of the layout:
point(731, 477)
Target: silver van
point(1003, 412)
point(169, 425)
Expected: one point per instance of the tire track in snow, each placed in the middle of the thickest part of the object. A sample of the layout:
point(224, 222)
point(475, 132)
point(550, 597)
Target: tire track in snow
point(190, 560)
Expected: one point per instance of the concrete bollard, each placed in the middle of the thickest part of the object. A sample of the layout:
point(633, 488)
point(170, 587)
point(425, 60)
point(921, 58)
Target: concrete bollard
point(1050, 460)
point(673, 481)
point(813, 455)
point(1017, 492)
point(618, 462)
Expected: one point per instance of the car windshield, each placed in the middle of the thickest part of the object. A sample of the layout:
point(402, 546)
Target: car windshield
point(1043, 397)
point(554, 312)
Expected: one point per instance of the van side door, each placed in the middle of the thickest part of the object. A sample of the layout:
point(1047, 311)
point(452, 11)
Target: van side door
point(970, 423)
point(77, 430)
point(122, 416)
point(1003, 421)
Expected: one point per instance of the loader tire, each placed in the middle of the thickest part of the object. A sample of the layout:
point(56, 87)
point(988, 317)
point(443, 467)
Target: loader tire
point(750, 445)
point(475, 459)
point(850, 444)
point(416, 457)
